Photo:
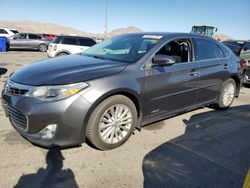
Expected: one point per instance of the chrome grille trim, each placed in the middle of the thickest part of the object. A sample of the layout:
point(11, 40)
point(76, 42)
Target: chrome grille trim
point(16, 91)
point(13, 88)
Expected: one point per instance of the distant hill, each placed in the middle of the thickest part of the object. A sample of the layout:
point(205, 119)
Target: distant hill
point(130, 29)
point(221, 37)
point(37, 27)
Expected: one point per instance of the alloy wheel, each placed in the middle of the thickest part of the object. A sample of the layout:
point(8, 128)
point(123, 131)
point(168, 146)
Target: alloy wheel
point(228, 94)
point(115, 124)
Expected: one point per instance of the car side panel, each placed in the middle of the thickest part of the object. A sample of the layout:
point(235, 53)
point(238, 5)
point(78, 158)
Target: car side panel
point(33, 43)
point(212, 75)
point(171, 88)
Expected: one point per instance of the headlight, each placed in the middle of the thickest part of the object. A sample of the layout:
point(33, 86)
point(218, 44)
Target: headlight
point(52, 93)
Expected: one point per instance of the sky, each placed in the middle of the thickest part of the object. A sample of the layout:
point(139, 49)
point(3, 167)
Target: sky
point(231, 17)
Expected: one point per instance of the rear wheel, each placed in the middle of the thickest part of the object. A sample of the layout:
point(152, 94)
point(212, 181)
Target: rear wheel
point(112, 122)
point(43, 47)
point(227, 94)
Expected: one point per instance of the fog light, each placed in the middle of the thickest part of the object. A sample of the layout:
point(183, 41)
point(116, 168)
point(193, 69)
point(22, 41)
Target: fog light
point(48, 132)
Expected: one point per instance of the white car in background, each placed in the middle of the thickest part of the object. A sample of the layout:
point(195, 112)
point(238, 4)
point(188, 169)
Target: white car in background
point(5, 32)
point(66, 45)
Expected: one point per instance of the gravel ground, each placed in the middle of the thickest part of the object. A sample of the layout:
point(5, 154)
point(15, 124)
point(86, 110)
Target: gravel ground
point(202, 148)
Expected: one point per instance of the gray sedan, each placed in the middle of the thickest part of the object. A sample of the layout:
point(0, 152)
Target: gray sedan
point(126, 82)
point(28, 41)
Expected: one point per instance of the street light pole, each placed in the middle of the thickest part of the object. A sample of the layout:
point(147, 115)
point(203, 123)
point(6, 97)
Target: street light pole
point(106, 18)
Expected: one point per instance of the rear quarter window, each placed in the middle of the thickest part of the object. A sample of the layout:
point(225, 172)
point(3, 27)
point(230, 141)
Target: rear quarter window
point(14, 31)
point(34, 36)
point(86, 42)
point(225, 50)
point(206, 49)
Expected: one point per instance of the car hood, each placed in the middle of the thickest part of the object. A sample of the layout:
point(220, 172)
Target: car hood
point(66, 70)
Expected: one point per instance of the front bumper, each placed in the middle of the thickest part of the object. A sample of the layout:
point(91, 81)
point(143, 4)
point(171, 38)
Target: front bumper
point(68, 114)
point(51, 52)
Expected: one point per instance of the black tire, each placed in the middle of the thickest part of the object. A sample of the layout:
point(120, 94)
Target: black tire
point(93, 132)
point(43, 48)
point(221, 102)
point(62, 54)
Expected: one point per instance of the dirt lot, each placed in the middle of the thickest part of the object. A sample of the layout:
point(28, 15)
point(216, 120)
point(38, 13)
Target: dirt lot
point(202, 148)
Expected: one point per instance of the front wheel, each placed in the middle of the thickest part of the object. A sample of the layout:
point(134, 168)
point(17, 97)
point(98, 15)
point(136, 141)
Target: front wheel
point(112, 122)
point(227, 94)
point(62, 54)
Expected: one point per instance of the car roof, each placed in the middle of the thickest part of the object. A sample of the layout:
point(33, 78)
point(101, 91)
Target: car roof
point(232, 40)
point(8, 28)
point(72, 36)
point(30, 33)
point(172, 34)
point(204, 26)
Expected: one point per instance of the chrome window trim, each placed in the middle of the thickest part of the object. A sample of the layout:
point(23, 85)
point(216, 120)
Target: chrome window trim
point(12, 84)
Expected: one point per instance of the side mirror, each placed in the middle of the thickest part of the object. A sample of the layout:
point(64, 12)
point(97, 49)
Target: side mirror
point(163, 60)
point(3, 71)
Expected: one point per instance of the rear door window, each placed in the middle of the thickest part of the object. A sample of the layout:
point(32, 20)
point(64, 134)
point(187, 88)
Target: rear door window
point(69, 41)
point(31, 36)
point(206, 49)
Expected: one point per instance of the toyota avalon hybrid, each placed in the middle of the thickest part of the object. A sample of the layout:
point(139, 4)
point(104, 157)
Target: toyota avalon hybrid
point(103, 94)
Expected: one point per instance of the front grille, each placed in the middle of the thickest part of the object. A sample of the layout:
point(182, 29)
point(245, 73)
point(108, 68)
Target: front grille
point(17, 118)
point(16, 91)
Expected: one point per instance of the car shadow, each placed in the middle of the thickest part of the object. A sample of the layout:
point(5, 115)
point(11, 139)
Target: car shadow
point(213, 152)
point(23, 50)
point(52, 176)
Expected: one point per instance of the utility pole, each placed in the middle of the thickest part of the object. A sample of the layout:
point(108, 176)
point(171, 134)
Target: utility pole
point(106, 18)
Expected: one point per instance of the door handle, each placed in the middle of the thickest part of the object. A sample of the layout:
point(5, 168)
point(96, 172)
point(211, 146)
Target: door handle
point(226, 66)
point(194, 74)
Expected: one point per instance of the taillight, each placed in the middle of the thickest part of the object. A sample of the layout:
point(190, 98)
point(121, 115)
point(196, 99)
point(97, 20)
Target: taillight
point(55, 47)
point(244, 65)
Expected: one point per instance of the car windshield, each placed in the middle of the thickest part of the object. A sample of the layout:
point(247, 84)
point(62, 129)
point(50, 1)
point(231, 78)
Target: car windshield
point(127, 48)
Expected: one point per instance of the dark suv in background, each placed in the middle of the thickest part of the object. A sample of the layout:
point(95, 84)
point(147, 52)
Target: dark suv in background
point(242, 49)
point(125, 82)
point(66, 45)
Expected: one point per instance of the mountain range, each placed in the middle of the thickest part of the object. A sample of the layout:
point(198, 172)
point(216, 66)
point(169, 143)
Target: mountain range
point(37, 27)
